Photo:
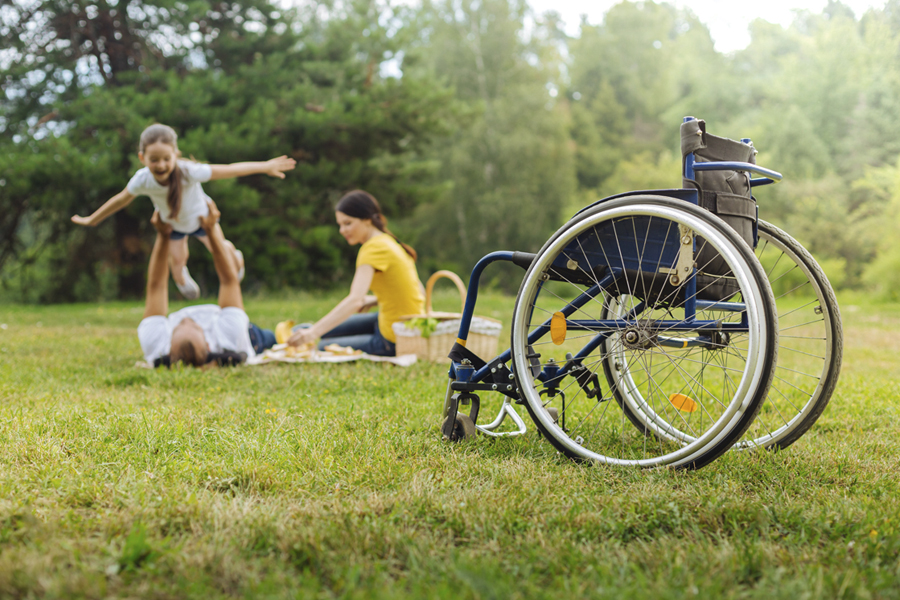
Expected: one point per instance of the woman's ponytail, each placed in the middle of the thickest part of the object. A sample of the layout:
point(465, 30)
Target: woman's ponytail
point(380, 223)
point(176, 181)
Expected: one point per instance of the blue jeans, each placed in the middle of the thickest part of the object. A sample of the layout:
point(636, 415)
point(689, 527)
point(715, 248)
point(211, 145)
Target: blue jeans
point(361, 333)
point(261, 339)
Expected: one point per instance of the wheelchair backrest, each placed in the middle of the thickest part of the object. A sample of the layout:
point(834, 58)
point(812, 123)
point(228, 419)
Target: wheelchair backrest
point(724, 193)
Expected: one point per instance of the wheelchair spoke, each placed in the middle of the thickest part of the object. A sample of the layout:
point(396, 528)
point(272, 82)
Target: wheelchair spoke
point(809, 354)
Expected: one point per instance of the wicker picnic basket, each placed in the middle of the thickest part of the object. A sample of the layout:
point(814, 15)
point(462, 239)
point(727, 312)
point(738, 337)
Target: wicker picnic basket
point(484, 332)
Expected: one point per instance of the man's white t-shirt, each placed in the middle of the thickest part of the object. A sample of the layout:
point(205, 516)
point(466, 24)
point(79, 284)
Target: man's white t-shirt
point(224, 328)
point(193, 198)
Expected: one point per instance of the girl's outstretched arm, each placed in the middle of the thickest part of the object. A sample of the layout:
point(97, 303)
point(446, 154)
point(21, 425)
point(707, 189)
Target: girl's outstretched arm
point(273, 168)
point(110, 207)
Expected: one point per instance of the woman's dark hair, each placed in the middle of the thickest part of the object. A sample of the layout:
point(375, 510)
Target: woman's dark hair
point(362, 205)
point(166, 135)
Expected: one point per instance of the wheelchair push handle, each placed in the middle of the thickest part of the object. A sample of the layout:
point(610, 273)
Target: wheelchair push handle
point(695, 138)
point(769, 176)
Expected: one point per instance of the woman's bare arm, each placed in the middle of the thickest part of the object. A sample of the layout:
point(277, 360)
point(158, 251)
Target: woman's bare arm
point(350, 305)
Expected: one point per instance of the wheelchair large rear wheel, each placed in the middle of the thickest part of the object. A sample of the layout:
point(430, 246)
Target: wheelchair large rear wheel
point(607, 292)
point(810, 342)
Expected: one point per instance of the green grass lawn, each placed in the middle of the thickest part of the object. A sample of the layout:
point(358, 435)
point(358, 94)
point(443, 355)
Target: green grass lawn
point(322, 481)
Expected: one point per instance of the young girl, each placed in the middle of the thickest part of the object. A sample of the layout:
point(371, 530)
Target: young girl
point(384, 265)
point(174, 187)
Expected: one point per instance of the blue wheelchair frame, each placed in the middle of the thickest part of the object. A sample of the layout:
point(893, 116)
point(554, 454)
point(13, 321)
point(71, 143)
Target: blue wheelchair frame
point(467, 376)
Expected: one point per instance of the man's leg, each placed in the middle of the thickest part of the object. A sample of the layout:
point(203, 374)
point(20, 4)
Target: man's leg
point(229, 286)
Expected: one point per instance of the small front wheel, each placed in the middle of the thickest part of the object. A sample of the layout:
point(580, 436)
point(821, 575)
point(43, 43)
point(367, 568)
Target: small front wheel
point(459, 429)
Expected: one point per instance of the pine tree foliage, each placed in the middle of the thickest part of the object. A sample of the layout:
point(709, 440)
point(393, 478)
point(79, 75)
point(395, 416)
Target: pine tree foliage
point(238, 81)
point(479, 124)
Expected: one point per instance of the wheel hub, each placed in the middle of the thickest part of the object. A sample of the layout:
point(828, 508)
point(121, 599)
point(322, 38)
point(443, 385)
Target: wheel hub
point(718, 340)
point(639, 338)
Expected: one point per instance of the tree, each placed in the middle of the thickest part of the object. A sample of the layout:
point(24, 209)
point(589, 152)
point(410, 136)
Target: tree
point(633, 78)
point(243, 82)
point(509, 160)
point(60, 59)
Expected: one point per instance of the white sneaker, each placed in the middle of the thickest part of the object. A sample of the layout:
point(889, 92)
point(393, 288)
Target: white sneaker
point(240, 258)
point(189, 289)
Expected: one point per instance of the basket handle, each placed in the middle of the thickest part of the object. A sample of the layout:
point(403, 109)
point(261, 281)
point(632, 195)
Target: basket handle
point(452, 277)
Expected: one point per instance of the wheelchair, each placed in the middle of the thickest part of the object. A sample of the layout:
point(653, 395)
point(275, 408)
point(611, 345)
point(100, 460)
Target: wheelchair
point(646, 332)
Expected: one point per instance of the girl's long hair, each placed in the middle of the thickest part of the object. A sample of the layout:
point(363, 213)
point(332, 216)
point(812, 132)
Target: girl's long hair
point(362, 205)
point(166, 135)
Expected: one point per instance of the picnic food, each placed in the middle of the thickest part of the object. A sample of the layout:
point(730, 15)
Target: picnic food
point(283, 331)
point(301, 351)
point(342, 350)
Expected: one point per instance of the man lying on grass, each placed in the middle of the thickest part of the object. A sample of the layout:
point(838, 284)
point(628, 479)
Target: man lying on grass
point(199, 334)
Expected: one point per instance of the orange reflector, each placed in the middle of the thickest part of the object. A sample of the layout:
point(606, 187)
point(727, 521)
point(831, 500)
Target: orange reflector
point(683, 403)
point(558, 328)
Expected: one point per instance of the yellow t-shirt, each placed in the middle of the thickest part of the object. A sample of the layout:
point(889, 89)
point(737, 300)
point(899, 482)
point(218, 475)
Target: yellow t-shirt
point(395, 283)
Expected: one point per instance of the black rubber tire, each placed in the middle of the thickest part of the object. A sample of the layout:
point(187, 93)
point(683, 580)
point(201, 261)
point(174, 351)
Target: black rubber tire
point(791, 420)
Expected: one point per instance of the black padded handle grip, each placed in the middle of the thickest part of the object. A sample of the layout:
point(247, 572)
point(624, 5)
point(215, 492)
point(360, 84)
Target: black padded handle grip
point(523, 259)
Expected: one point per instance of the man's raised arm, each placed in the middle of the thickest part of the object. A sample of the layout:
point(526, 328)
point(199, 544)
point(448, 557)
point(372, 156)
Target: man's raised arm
point(157, 302)
point(229, 284)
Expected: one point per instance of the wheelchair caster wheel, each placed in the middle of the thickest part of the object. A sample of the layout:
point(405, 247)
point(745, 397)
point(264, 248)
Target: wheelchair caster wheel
point(459, 430)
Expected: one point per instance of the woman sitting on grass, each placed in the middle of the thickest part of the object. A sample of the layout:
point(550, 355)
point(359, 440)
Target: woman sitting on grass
point(384, 265)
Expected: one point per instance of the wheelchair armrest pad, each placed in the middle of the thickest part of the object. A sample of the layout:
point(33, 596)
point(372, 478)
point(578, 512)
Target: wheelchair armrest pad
point(459, 352)
point(523, 259)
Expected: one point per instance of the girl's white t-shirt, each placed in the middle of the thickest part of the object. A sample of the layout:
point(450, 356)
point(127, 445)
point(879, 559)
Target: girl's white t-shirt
point(193, 198)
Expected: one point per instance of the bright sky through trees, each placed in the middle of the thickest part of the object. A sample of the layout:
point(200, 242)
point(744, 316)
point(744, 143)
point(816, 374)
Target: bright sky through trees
point(726, 19)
